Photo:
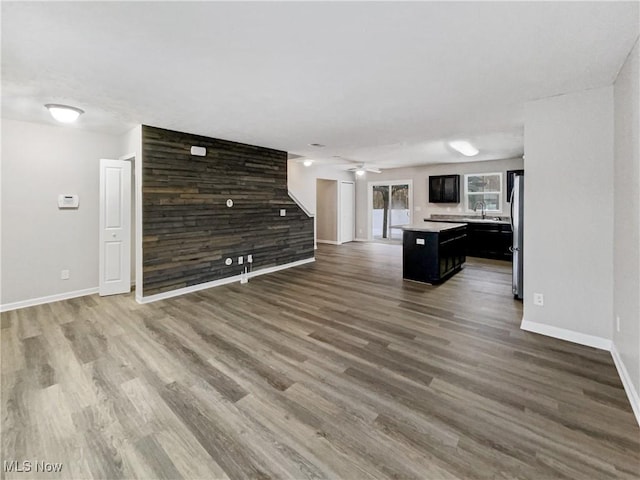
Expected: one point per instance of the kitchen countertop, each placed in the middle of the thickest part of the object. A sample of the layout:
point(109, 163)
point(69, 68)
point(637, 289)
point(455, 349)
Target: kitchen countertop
point(433, 227)
point(468, 220)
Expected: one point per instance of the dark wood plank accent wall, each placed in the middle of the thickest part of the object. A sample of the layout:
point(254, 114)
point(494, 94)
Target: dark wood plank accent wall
point(188, 230)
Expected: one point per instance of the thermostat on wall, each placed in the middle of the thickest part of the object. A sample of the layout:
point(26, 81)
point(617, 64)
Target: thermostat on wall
point(68, 201)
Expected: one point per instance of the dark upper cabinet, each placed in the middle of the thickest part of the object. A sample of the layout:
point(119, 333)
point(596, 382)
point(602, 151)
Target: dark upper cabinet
point(510, 176)
point(444, 189)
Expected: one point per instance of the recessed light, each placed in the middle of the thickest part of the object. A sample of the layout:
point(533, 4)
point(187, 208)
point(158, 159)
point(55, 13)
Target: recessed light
point(307, 163)
point(317, 145)
point(64, 113)
point(464, 148)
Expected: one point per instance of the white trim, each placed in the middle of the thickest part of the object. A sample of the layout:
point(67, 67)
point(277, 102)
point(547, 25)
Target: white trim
point(360, 239)
point(632, 394)
point(330, 242)
point(568, 335)
point(222, 281)
point(500, 193)
point(48, 299)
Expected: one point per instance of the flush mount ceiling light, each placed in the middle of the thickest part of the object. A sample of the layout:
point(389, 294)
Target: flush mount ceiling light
point(307, 163)
point(360, 172)
point(317, 145)
point(64, 113)
point(464, 148)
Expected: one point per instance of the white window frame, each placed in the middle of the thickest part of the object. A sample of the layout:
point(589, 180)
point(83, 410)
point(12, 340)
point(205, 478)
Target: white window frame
point(469, 208)
point(370, 186)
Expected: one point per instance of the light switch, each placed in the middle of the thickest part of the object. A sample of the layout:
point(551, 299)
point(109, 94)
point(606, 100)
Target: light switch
point(283, 212)
point(419, 241)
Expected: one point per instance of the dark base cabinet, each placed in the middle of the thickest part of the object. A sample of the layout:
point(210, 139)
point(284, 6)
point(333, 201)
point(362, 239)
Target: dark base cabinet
point(486, 240)
point(432, 257)
point(489, 241)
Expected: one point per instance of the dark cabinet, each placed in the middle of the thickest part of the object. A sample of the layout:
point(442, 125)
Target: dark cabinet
point(432, 257)
point(487, 240)
point(444, 189)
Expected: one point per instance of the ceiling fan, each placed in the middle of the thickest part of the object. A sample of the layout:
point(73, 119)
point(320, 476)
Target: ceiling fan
point(359, 167)
point(362, 168)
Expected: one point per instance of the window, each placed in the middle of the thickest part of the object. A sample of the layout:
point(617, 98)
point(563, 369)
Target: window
point(485, 188)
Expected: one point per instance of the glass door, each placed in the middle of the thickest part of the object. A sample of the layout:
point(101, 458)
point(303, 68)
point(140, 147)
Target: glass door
point(380, 213)
point(399, 210)
point(390, 209)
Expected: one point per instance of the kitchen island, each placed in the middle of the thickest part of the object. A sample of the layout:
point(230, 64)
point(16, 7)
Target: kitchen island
point(433, 251)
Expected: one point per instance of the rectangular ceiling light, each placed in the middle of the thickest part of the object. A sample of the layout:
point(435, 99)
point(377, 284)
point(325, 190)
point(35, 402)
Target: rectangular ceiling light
point(464, 147)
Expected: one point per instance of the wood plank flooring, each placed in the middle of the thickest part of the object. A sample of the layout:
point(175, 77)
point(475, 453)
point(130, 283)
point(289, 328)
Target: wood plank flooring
point(336, 369)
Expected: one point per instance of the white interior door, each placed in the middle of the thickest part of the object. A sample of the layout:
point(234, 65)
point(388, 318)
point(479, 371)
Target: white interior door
point(347, 211)
point(115, 227)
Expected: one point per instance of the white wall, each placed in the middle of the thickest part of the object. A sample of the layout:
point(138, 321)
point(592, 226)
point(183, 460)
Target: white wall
point(420, 176)
point(327, 210)
point(39, 240)
point(131, 145)
point(568, 216)
point(301, 181)
point(626, 226)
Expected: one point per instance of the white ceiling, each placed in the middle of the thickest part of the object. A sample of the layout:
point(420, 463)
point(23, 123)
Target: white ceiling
point(381, 83)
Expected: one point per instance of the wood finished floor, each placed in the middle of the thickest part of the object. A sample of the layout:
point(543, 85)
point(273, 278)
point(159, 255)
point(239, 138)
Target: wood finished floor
point(336, 369)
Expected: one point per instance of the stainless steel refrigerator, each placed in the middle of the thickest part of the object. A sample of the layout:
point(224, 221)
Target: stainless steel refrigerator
point(517, 224)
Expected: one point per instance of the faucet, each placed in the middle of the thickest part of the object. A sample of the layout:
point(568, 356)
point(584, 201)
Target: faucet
point(482, 206)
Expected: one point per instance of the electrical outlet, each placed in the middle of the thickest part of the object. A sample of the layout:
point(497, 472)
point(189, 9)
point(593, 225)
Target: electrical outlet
point(64, 275)
point(618, 323)
point(538, 299)
point(240, 260)
point(250, 258)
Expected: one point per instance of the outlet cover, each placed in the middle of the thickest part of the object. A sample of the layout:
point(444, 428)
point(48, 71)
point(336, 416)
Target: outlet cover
point(538, 299)
point(283, 212)
point(64, 275)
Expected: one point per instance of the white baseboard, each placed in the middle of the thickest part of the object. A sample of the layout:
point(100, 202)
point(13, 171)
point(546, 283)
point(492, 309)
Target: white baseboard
point(217, 283)
point(48, 299)
point(568, 335)
point(361, 239)
point(632, 393)
point(330, 242)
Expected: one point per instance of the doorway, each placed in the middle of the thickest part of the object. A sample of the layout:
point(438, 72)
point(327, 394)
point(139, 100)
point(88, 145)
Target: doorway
point(390, 206)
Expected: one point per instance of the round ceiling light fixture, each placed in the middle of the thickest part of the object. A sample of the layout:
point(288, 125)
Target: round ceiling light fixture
point(360, 172)
point(307, 162)
point(64, 113)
